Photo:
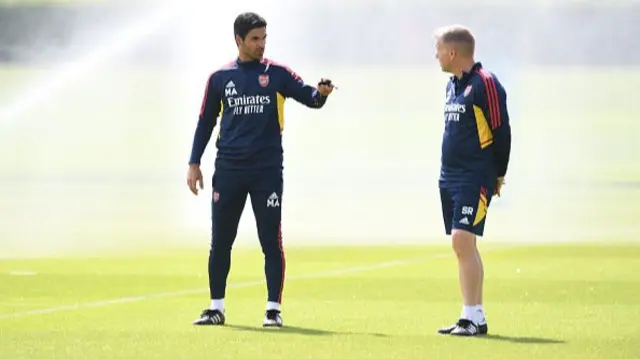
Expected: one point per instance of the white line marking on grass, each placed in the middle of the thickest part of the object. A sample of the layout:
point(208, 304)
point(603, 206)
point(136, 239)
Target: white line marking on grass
point(324, 274)
point(22, 273)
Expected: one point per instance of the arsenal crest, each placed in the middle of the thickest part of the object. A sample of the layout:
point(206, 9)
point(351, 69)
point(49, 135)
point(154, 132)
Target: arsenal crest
point(263, 80)
point(467, 91)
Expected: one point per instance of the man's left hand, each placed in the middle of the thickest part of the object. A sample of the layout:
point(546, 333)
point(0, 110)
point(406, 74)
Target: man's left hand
point(325, 87)
point(499, 183)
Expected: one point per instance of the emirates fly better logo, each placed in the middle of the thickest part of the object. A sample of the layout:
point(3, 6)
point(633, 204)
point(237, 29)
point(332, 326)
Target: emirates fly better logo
point(243, 104)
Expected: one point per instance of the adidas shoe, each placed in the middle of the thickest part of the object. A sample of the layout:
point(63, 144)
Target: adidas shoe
point(465, 327)
point(210, 317)
point(272, 318)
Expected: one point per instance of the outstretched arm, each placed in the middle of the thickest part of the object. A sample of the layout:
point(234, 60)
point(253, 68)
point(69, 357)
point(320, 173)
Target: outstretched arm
point(305, 94)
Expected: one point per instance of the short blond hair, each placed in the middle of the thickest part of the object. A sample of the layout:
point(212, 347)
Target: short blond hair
point(458, 35)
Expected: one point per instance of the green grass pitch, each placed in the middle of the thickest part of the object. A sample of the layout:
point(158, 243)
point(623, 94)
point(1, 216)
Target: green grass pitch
point(353, 302)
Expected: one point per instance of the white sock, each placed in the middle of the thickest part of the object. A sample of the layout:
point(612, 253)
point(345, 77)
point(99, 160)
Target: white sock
point(479, 317)
point(474, 313)
point(273, 305)
point(217, 304)
point(467, 312)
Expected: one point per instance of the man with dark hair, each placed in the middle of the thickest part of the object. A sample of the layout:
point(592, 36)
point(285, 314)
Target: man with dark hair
point(248, 94)
point(475, 154)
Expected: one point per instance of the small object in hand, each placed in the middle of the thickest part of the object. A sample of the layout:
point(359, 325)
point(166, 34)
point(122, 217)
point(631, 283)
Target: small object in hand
point(326, 82)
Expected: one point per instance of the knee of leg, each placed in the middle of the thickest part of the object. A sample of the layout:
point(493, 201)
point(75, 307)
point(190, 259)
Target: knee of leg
point(220, 246)
point(272, 251)
point(272, 248)
point(463, 242)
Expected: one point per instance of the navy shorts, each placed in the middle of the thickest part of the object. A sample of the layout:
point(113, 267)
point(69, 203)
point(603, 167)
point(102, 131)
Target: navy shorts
point(465, 207)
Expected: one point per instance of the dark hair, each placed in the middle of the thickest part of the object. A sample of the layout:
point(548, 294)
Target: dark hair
point(246, 22)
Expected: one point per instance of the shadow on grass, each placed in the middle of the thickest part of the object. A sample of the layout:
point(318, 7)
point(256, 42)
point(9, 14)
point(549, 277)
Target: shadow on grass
point(521, 340)
point(320, 332)
point(298, 330)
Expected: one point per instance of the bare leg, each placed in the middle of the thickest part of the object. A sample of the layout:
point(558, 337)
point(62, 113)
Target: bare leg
point(480, 290)
point(469, 266)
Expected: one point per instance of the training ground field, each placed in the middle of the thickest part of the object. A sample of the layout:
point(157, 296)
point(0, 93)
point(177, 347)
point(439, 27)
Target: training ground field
point(103, 250)
point(355, 302)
